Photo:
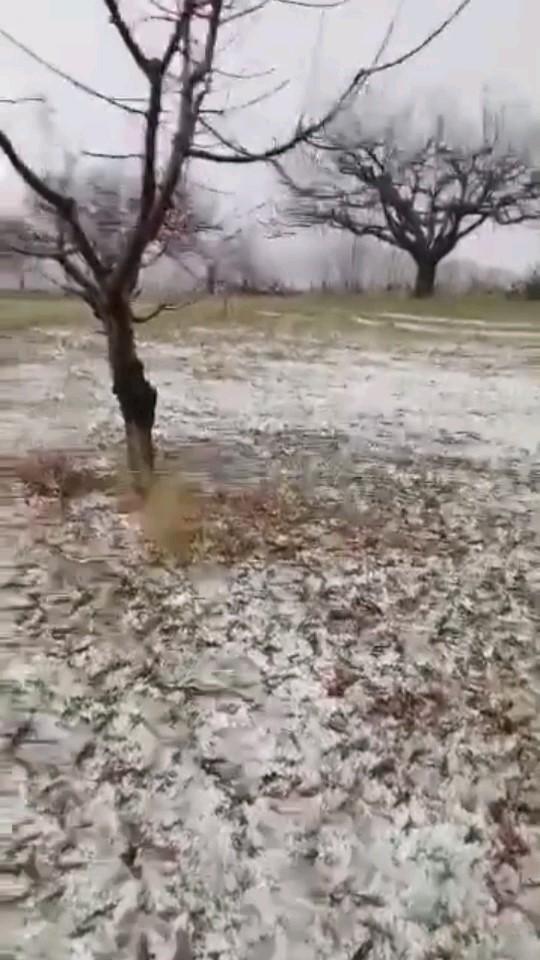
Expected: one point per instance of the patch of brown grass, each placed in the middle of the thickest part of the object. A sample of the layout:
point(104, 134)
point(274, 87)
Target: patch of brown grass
point(173, 518)
point(56, 475)
point(264, 520)
point(230, 526)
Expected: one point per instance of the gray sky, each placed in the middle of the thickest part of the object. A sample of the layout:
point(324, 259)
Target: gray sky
point(491, 50)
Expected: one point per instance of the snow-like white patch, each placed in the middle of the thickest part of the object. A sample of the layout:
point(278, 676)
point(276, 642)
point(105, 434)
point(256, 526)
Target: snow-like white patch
point(325, 757)
point(393, 315)
point(368, 321)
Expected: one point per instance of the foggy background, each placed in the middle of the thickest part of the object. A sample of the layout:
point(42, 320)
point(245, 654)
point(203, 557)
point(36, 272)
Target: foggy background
point(489, 55)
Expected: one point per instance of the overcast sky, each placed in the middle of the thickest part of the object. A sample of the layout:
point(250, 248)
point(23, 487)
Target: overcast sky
point(492, 50)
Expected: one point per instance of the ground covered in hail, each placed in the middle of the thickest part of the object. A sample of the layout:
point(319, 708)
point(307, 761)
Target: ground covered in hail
point(313, 732)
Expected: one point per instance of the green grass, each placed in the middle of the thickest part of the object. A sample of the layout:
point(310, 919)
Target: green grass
point(19, 312)
point(338, 311)
point(305, 312)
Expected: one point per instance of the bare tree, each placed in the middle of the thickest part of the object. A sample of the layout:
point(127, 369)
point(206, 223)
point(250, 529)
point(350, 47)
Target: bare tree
point(14, 238)
point(238, 263)
point(346, 265)
point(178, 126)
point(108, 205)
point(423, 200)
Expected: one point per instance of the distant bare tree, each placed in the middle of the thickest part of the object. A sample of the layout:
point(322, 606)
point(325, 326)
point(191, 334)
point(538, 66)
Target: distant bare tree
point(423, 200)
point(178, 125)
point(108, 204)
point(14, 237)
point(347, 265)
point(238, 262)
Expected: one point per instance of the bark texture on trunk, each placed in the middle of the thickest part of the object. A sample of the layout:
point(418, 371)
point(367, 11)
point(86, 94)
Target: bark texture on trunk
point(136, 396)
point(425, 278)
point(137, 399)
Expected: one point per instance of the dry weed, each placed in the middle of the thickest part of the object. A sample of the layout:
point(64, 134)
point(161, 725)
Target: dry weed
point(231, 526)
point(173, 517)
point(57, 475)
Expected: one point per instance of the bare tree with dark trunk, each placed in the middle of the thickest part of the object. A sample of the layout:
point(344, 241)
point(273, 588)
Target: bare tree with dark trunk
point(423, 200)
point(426, 271)
point(178, 126)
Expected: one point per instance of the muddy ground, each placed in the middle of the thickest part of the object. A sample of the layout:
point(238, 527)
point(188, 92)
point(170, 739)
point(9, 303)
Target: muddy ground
point(323, 746)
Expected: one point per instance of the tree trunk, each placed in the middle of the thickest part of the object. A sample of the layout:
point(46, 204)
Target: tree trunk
point(425, 278)
point(211, 279)
point(136, 396)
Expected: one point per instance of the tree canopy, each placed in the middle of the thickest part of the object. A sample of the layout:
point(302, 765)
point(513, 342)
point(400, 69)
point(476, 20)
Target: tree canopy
point(423, 199)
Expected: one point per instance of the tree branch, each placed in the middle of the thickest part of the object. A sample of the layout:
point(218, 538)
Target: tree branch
point(106, 264)
point(64, 205)
point(148, 190)
point(96, 155)
point(190, 102)
point(14, 101)
point(120, 102)
point(166, 307)
point(239, 154)
point(135, 50)
point(426, 199)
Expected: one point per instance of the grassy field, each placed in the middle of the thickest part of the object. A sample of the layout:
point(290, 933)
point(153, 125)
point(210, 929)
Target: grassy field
point(302, 311)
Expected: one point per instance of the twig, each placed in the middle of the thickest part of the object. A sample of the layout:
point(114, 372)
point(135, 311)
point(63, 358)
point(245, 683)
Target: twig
point(122, 103)
point(126, 34)
point(164, 307)
point(64, 205)
point(96, 155)
point(240, 154)
point(12, 101)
